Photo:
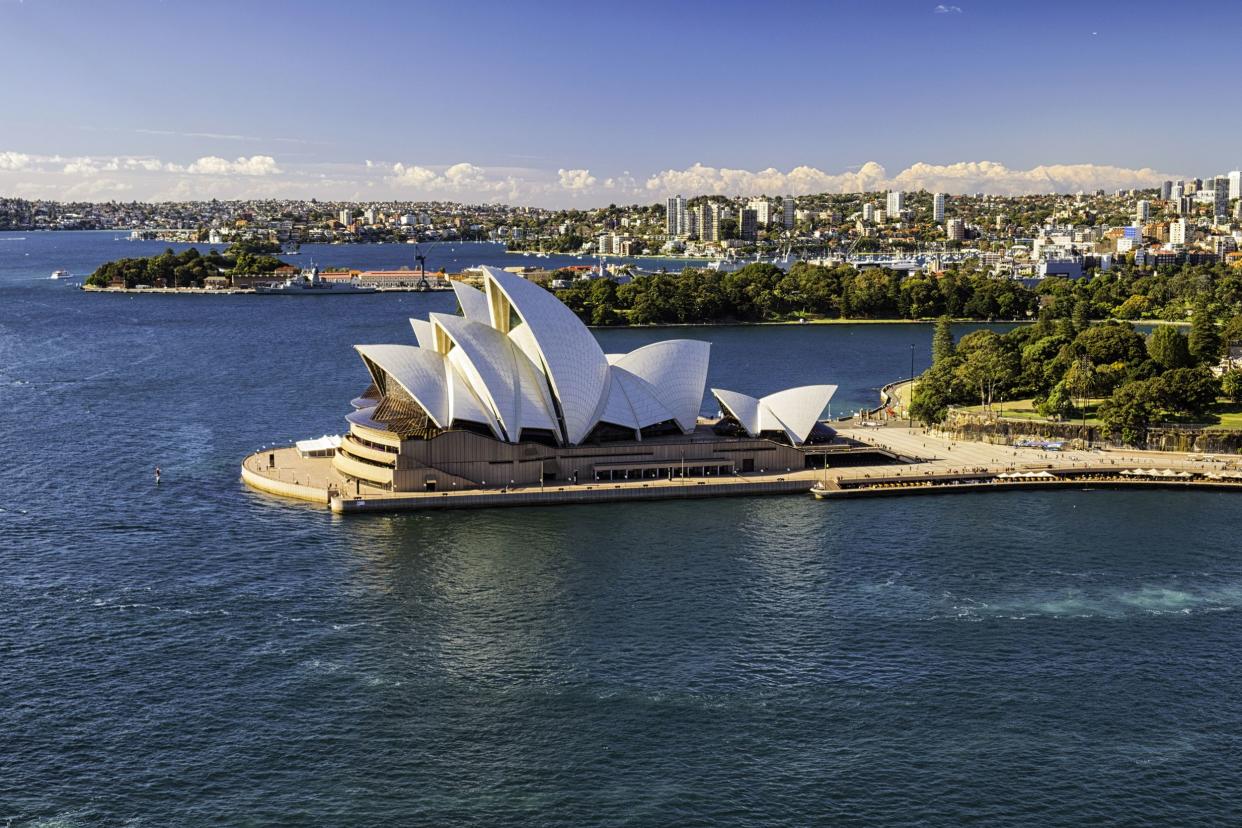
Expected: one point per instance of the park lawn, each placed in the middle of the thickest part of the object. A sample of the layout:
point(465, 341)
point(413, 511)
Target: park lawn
point(1228, 416)
point(1025, 410)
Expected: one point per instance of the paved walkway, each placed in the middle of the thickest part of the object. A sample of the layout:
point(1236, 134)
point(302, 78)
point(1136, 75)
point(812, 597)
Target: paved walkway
point(943, 455)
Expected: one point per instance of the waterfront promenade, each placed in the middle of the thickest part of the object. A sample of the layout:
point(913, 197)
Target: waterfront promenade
point(921, 458)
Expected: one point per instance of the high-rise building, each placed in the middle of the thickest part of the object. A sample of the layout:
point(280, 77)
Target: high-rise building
point(368, 215)
point(1166, 190)
point(763, 210)
point(787, 208)
point(1220, 199)
point(709, 222)
point(1179, 231)
point(346, 216)
point(868, 212)
point(1235, 184)
point(955, 229)
point(1142, 211)
point(896, 203)
point(1178, 190)
point(748, 224)
point(938, 207)
point(675, 218)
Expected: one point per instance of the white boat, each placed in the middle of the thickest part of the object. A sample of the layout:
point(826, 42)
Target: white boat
point(308, 283)
point(59, 274)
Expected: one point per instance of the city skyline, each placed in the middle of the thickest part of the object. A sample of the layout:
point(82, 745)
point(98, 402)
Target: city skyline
point(584, 107)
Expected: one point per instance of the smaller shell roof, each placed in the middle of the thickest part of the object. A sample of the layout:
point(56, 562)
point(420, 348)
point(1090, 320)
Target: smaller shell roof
point(794, 411)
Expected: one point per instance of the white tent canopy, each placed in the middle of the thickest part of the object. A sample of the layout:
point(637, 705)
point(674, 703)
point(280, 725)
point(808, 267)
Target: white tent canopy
point(320, 446)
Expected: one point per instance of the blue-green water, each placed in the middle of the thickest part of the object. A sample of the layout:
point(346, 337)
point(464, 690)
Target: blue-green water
point(197, 653)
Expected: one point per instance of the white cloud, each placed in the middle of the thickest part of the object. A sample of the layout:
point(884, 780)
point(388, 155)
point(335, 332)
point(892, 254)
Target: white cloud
point(963, 177)
point(254, 165)
point(576, 179)
point(466, 181)
point(699, 179)
point(81, 166)
point(13, 161)
point(146, 177)
point(945, 9)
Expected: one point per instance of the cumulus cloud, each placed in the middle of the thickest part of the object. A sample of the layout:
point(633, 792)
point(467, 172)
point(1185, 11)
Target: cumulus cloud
point(700, 179)
point(467, 181)
point(214, 165)
point(212, 176)
point(946, 9)
point(576, 179)
point(964, 177)
point(13, 161)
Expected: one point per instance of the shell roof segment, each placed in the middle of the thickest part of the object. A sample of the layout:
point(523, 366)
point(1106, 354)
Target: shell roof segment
point(793, 411)
point(419, 371)
point(565, 349)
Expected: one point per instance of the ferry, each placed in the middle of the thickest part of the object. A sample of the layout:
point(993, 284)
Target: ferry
point(308, 283)
point(59, 274)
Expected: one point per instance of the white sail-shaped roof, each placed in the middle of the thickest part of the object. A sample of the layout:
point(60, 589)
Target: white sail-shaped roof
point(647, 407)
point(676, 371)
point(473, 302)
point(742, 407)
point(565, 349)
point(798, 409)
point(500, 371)
point(419, 371)
point(793, 411)
point(518, 359)
point(464, 403)
point(423, 334)
point(617, 409)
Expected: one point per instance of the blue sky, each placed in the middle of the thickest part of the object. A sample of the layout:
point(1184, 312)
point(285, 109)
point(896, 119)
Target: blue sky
point(562, 103)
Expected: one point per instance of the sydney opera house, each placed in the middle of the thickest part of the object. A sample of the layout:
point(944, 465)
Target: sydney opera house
point(517, 390)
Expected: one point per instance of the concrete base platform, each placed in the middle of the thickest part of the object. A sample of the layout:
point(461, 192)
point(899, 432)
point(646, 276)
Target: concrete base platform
point(935, 465)
point(286, 473)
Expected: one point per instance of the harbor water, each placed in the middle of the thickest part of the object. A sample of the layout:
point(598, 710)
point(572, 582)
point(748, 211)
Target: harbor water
point(196, 653)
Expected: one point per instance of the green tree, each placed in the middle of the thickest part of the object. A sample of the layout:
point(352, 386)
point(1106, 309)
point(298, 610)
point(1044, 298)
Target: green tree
point(943, 346)
point(1186, 390)
point(1231, 385)
point(1081, 317)
point(1127, 414)
point(1169, 348)
point(933, 392)
point(986, 365)
point(1204, 340)
point(1059, 404)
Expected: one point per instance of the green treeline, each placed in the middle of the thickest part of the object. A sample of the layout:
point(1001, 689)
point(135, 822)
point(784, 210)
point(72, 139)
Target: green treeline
point(763, 292)
point(1066, 365)
point(188, 268)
